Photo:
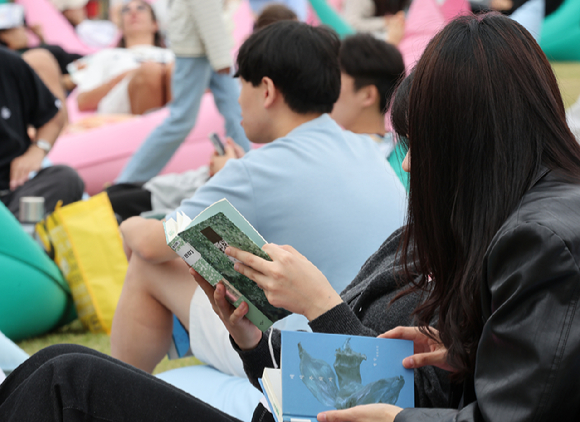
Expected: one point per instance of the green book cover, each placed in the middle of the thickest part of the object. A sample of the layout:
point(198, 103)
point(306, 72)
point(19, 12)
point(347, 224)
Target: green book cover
point(201, 242)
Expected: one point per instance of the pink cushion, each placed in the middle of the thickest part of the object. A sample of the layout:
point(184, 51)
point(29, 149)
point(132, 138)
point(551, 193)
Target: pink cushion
point(100, 154)
point(424, 20)
point(57, 30)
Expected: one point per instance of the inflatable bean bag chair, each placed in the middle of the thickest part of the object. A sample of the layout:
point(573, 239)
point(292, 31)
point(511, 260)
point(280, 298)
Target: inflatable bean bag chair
point(57, 30)
point(560, 37)
point(100, 154)
point(35, 297)
point(232, 395)
point(424, 20)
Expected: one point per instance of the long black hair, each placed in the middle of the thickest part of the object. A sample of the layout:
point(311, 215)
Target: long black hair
point(484, 115)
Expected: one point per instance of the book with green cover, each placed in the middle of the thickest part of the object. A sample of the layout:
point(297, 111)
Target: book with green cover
point(201, 243)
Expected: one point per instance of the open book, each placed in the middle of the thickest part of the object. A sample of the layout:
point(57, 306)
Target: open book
point(201, 243)
point(328, 371)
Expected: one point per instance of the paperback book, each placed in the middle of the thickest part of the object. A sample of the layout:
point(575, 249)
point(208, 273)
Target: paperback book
point(322, 372)
point(201, 243)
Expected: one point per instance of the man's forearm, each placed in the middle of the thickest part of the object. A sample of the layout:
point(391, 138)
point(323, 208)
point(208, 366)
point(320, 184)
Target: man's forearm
point(50, 131)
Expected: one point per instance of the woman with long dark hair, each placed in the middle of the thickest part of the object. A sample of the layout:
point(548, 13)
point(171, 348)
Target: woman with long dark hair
point(135, 76)
point(493, 231)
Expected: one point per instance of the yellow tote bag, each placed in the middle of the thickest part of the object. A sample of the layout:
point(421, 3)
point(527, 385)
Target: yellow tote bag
point(88, 249)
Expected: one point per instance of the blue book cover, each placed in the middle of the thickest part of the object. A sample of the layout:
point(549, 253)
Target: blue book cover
point(329, 371)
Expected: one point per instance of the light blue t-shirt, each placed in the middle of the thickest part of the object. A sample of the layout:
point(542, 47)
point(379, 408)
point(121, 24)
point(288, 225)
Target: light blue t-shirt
point(327, 192)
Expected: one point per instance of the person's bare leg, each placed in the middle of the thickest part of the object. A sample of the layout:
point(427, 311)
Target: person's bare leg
point(147, 88)
point(46, 67)
point(143, 322)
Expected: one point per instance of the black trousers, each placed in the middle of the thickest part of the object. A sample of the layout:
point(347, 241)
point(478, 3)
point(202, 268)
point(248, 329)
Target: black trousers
point(54, 183)
point(129, 199)
point(69, 383)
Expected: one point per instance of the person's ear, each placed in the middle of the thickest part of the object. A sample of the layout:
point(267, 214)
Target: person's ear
point(406, 164)
point(370, 95)
point(270, 92)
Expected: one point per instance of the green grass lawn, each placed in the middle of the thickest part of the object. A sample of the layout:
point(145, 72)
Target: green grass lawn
point(568, 75)
point(75, 333)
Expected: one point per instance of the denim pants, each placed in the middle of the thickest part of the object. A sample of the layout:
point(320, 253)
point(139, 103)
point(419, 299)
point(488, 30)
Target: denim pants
point(191, 77)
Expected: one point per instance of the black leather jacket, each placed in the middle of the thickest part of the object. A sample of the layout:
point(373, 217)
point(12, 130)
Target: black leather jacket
point(528, 359)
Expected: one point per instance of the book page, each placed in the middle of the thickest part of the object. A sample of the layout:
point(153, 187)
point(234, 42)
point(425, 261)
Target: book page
point(234, 216)
point(272, 382)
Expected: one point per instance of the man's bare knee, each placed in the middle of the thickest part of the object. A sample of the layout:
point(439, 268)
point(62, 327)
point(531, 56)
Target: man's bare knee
point(165, 282)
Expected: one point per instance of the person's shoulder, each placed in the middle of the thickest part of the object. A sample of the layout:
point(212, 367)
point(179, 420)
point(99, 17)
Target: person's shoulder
point(551, 206)
point(9, 57)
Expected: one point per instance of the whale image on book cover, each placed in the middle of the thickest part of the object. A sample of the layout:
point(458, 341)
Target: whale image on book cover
point(327, 371)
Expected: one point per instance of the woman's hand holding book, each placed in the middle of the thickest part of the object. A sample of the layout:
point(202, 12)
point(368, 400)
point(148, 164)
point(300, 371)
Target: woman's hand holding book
point(245, 333)
point(289, 281)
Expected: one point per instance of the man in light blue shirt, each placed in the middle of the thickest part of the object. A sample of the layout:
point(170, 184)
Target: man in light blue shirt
point(325, 191)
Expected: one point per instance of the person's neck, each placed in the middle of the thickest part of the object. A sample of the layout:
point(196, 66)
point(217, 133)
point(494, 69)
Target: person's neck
point(139, 39)
point(369, 123)
point(290, 121)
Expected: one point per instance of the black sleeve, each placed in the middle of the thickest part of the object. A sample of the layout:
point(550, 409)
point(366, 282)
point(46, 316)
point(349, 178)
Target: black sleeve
point(527, 363)
point(62, 57)
point(40, 104)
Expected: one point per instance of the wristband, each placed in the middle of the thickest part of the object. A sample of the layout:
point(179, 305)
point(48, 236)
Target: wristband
point(43, 145)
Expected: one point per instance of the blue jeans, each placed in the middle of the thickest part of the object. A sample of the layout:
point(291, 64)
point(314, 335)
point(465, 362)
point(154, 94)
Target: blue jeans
point(191, 77)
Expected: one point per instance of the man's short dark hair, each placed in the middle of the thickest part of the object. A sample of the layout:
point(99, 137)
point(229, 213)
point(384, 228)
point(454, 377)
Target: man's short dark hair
point(301, 60)
point(370, 61)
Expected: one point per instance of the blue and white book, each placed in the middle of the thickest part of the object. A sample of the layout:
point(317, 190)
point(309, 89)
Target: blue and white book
point(322, 372)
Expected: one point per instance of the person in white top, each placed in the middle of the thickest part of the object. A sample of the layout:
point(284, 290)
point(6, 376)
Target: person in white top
point(94, 33)
point(133, 78)
point(384, 19)
point(200, 39)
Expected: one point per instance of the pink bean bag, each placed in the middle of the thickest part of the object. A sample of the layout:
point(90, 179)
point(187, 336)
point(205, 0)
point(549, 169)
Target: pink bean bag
point(100, 154)
point(57, 30)
point(424, 20)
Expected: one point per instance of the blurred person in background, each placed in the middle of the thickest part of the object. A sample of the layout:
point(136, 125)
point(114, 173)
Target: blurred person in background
point(385, 19)
point(134, 77)
point(300, 7)
point(25, 102)
point(94, 33)
point(202, 45)
point(48, 61)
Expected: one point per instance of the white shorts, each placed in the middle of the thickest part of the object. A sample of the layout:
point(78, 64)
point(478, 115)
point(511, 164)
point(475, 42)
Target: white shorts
point(209, 339)
point(117, 100)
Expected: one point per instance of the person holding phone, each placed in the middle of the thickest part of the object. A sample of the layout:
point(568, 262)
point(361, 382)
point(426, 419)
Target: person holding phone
point(201, 43)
